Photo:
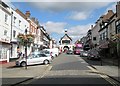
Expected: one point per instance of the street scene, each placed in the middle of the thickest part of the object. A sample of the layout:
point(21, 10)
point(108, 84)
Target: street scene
point(60, 42)
point(65, 69)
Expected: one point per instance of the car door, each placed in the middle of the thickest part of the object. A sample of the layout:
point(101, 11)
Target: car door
point(34, 59)
point(30, 59)
point(42, 57)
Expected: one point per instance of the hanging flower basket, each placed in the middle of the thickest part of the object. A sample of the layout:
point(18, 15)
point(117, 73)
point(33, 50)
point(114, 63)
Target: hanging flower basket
point(25, 40)
point(116, 36)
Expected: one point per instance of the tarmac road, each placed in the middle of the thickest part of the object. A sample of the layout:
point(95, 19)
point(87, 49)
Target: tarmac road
point(71, 69)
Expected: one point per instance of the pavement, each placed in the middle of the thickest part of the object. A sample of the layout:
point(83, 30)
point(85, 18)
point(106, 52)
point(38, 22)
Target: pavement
point(110, 68)
point(11, 74)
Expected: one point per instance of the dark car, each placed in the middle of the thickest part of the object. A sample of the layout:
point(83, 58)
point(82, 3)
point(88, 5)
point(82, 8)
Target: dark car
point(84, 53)
point(93, 54)
point(69, 52)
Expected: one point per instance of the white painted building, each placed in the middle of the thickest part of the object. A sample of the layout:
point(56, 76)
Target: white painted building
point(19, 24)
point(66, 43)
point(5, 32)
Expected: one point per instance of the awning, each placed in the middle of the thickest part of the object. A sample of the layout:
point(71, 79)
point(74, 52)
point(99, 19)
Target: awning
point(104, 45)
point(14, 42)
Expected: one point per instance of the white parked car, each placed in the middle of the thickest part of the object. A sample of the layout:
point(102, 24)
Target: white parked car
point(54, 51)
point(47, 53)
point(34, 58)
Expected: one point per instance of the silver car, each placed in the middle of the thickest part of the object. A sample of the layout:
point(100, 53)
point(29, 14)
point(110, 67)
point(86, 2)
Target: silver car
point(93, 54)
point(84, 53)
point(47, 53)
point(34, 58)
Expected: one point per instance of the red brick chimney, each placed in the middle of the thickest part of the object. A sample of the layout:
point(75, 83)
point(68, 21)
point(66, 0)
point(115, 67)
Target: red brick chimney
point(118, 9)
point(27, 14)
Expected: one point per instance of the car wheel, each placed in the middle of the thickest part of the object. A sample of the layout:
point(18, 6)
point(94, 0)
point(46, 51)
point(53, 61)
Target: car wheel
point(23, 64)
point(46, 62)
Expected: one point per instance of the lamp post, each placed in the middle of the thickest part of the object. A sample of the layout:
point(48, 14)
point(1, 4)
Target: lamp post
point(26, 48)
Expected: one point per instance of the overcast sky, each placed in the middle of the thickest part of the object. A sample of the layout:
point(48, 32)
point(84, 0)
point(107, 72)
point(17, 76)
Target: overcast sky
point(57, 15)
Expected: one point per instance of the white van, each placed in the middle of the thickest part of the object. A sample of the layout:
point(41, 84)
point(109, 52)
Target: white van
point(54, 51)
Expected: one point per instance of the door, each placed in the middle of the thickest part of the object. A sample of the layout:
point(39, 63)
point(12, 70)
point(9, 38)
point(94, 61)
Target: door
point(33, 59)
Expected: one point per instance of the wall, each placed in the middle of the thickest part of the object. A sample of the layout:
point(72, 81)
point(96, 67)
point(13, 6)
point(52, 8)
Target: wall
point(5, 29)
point(18, 25)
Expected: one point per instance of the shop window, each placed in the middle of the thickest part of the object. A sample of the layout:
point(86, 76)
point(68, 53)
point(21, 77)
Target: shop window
point(4, 53)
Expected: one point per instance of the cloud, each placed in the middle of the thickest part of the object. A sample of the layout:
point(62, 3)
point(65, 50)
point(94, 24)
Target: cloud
point(69, 6)
point(59, 27)
point(55, 27)
point(74, 32)
point(76, 10)
point(112, 7)
point(80, 30)
point(79, 15)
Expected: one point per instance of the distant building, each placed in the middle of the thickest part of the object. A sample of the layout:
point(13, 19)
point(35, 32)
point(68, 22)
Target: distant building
point(95, 34)
point(65, 42)
point(45, 38)
point(106, 29)
point(83, 41)
point(89, 39)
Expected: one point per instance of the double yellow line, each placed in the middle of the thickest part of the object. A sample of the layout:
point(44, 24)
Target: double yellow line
point(104, 76)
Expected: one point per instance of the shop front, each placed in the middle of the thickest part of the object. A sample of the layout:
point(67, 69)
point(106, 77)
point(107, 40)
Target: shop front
point(104, 49)
point(4, 52)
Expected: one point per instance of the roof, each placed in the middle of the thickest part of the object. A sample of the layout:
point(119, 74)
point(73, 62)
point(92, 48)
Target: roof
point(67, 36)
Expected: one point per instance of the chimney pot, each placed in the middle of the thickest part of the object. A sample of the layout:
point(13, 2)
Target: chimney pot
point(27, 13)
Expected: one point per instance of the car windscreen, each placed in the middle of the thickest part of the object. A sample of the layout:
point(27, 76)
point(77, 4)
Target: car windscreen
point(42, 55)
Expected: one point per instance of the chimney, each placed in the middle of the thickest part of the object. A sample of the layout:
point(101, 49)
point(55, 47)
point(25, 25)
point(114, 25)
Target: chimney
point(91, 26)
point(33, 19)
point(118, 9)
point(27, 14)
point(37, 22)
point(109, 14)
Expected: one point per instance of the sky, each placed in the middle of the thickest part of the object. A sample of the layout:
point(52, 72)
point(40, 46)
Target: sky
point(57, 15)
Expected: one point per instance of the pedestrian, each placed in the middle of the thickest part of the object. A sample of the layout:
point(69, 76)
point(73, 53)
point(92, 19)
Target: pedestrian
point(23, 56)
point(19, 54)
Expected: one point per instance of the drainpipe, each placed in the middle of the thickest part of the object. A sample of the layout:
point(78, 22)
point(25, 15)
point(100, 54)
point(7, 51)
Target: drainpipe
point(11, 35)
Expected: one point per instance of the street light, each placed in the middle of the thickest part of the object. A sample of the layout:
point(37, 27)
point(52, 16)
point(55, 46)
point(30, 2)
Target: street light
point(26, 48)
